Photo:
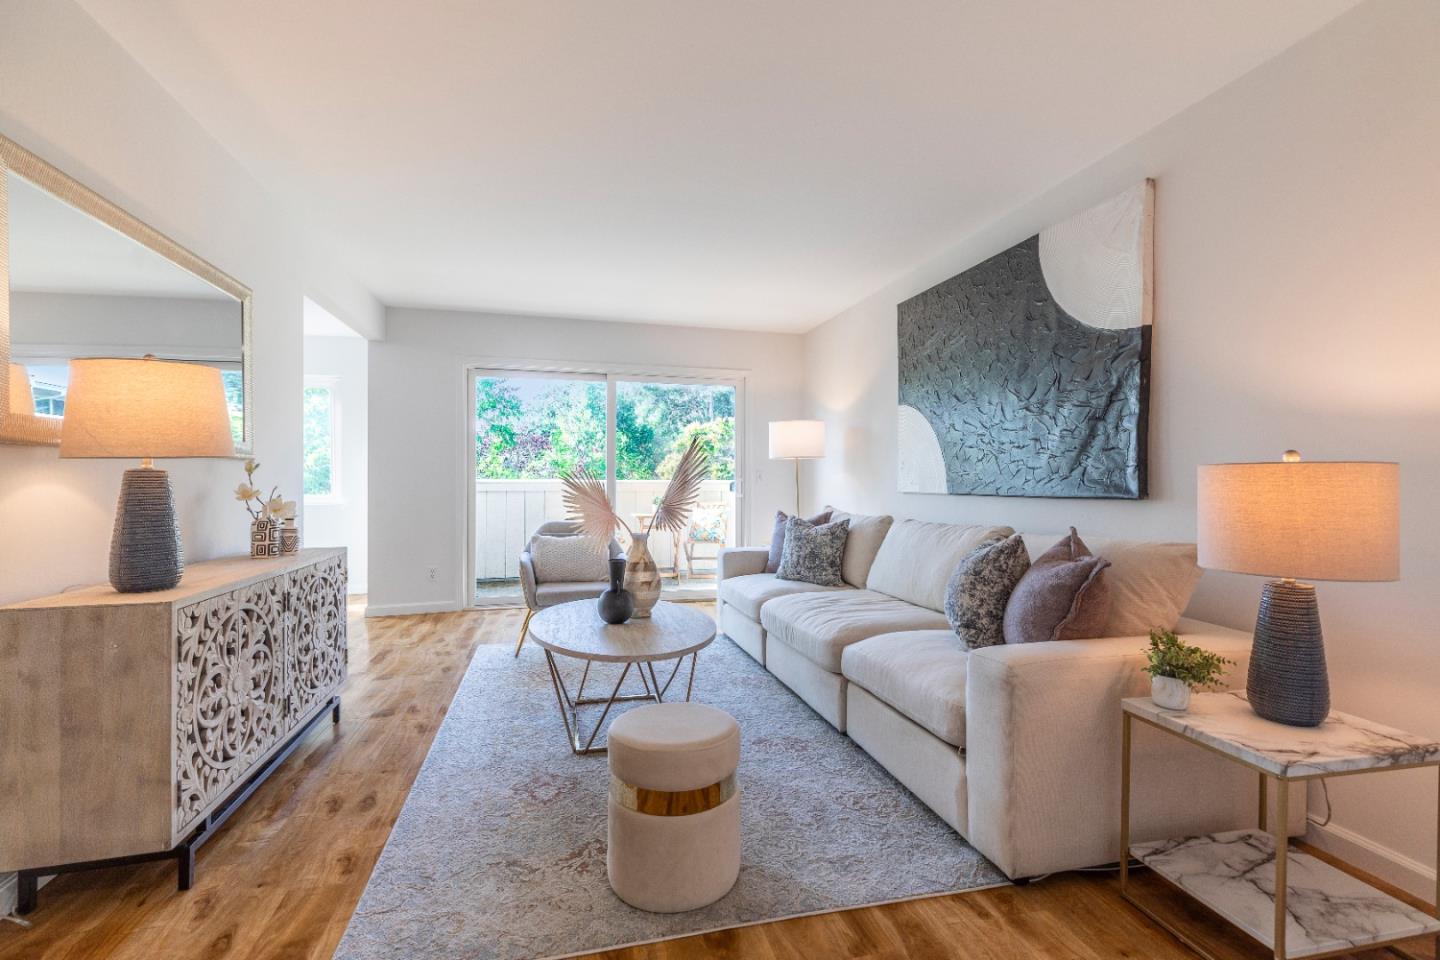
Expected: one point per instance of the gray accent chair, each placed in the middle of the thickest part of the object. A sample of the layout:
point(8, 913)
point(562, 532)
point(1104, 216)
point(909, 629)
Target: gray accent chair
point(539, 595)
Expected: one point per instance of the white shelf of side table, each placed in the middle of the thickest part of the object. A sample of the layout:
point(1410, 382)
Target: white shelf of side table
point(1295, 904)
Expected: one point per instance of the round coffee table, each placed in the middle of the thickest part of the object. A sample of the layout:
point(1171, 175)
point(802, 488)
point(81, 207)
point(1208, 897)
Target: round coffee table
point(575, 630)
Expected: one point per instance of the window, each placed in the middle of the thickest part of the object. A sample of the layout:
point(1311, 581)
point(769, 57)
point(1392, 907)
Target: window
point(322, 460)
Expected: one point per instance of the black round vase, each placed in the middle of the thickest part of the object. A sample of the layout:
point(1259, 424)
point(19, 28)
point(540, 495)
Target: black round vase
point(615, 604)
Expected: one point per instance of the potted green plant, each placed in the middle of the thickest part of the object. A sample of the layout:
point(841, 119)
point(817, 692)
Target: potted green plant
point(1176, 668)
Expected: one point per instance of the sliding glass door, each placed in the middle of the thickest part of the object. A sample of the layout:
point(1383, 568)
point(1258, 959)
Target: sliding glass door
point(531, 429)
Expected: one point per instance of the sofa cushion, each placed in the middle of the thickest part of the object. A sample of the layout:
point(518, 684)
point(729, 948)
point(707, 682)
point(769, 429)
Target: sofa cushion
point(777, 537)
point(1150, 582)
point(813, 551)
point(915, 561)
point(920, 673)
point(749, 593)
point(980, 588)
point(821, 625)
point(866, 535)
point(1063, 596)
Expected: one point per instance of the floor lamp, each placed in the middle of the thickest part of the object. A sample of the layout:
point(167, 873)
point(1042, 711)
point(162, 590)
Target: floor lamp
point(797, 440)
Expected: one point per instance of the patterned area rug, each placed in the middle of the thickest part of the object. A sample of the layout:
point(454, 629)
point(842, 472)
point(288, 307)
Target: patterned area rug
point(499, 851)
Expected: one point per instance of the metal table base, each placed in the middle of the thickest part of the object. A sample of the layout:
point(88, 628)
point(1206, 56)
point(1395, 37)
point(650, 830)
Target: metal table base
point(582, 745)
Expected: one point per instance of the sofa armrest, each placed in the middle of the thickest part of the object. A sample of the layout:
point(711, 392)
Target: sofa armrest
point(527, 579)
point(1043, 745)
point(741, 562)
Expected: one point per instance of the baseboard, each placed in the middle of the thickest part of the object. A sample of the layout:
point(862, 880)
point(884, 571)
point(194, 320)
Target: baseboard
point(1404, 872)
point(409, 609)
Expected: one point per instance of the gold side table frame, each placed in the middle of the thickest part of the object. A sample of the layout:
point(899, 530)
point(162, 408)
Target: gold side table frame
point(1279, 833)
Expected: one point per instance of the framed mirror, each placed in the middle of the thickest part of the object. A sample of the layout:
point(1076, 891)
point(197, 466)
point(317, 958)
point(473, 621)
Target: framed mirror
point(80, 277)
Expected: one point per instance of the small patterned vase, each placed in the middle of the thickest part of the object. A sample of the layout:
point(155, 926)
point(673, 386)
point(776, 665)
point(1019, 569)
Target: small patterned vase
point(642, 578)
point(289, 537)
point(264, 538)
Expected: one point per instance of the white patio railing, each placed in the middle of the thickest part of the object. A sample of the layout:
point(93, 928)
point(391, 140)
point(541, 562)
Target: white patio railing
point(508, 511)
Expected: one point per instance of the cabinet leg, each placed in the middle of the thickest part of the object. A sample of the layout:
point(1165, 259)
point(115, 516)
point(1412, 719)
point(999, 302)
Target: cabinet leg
point(185, 857)
point(27, 893)
point(335, 711)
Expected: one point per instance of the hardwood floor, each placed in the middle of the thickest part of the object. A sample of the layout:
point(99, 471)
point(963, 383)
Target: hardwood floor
point(281, 879)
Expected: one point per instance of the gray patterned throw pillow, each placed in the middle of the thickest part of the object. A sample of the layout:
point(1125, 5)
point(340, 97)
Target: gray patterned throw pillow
point(980, 588)
point(813, 552)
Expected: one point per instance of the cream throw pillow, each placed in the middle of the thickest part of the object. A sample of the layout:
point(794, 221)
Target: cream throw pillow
point(916, 559)
point(1150, 582)
point(567, 559)
point(866, 535)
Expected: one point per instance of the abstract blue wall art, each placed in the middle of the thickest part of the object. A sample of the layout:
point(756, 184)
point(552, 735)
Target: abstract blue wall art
point(1028, 375)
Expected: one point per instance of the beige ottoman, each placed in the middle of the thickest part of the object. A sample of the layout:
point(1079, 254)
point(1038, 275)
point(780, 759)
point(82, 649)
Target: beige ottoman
point(674, 806)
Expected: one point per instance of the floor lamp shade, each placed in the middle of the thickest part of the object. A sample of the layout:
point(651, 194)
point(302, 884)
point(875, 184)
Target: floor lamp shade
point(145, 409)
point(1296, 520)
point(797, 440)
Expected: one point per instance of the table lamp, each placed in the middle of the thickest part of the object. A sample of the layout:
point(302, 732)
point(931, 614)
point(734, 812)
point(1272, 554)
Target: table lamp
point(147, 409)
point(797, 440)
point(1296, 519)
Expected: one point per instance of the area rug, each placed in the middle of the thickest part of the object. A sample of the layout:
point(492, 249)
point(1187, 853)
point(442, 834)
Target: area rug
point(499, 852)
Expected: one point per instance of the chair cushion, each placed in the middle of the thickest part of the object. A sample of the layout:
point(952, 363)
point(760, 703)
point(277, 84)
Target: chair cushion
point(916, 559)
point(921, 674)
point(550, 594)
point(819, 626)
point(567, 558)
point(749, 593)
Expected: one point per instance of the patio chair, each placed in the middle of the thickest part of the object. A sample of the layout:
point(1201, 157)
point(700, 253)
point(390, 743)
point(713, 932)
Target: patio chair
point(709, 524)
point(539, 595)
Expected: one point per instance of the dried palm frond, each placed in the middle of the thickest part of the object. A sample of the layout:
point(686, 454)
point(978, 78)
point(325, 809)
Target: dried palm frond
point(587, 504)
point(684, 489)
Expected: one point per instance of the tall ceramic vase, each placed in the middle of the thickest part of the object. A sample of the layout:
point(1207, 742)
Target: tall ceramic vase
point(642, 578)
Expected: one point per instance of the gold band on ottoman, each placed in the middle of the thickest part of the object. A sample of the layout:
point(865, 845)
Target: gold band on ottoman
point(671, 803)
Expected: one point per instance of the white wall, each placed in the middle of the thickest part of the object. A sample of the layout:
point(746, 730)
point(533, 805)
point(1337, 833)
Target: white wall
point(418, 421)
point(1298, 305)
point(72, 95)
point(86, 323)
point(342, 520)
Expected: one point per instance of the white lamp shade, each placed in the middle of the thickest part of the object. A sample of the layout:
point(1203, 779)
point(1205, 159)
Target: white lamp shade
point(145, 408)
point(1303, 520)
point(797, 439)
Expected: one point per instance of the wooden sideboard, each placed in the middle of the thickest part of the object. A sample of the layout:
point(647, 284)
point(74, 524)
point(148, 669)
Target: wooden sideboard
point(132, 725)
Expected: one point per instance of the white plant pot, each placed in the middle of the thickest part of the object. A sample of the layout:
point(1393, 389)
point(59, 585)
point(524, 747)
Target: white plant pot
point(1169, 693)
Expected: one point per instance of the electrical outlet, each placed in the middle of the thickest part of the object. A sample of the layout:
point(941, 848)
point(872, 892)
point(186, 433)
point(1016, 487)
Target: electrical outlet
point(432, 573)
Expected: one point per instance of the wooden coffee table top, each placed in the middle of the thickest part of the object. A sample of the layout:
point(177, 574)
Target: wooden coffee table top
point(575, 630)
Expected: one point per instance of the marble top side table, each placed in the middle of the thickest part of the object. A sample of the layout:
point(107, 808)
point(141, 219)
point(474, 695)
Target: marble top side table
point(1291, 902)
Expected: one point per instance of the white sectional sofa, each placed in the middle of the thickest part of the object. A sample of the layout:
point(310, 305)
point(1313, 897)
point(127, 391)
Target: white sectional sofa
point(1016, 746)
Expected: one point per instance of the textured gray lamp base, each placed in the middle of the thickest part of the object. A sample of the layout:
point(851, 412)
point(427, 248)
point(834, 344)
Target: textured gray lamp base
point(145, 552)
point(1288, 682)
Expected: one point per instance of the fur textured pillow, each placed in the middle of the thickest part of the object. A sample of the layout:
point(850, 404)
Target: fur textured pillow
point(980, 588)
point(777, 537)
point(1063, 596)
point(814, 553)
point(572, 559)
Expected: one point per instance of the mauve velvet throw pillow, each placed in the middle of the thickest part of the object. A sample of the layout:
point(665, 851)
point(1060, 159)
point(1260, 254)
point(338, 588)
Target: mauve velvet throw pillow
point(1063, 596)
point(777, 539)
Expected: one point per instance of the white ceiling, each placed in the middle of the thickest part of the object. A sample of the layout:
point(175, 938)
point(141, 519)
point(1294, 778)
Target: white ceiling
point(56, 248)
point(754, 163)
